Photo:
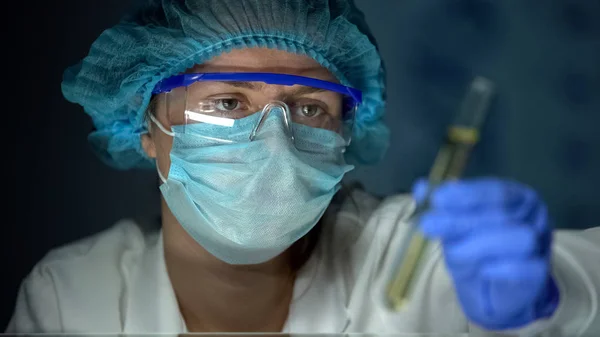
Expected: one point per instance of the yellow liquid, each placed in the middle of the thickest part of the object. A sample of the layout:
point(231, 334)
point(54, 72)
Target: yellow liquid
point(448, 164)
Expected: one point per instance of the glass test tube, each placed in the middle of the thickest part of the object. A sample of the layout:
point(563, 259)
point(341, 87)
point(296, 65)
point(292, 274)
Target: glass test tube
point(450, 162)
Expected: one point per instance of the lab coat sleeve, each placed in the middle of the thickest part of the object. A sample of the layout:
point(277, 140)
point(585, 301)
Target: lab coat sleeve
point(575, 256)
point(36, 309)
point(576, 269)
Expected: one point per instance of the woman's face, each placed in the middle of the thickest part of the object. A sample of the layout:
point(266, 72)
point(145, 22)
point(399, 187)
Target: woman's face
point(157, 144)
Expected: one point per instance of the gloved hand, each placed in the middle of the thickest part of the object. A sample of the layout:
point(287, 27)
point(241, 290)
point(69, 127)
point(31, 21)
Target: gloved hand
point(496, 241)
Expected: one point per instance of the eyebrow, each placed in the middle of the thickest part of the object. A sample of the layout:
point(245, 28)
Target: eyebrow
point(257, 86)
point(304, 90)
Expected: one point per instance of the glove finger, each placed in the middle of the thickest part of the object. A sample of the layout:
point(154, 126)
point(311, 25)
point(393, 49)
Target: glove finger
point(480, 194)
point(495, 244)
point(515, 271)
point(446, 225)
point(514, 285)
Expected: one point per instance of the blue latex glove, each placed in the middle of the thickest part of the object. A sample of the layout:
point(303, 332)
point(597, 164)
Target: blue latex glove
point(496, 242)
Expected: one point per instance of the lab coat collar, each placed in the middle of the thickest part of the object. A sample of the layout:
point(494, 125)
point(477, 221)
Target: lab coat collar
point(152, 306)
point(318, 305)
point(319, 302)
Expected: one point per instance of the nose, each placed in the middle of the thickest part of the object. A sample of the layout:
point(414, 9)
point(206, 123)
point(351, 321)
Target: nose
point(275, 108)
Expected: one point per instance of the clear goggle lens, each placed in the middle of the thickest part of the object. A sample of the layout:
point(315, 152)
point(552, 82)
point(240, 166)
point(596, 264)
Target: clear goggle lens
point(223, 104)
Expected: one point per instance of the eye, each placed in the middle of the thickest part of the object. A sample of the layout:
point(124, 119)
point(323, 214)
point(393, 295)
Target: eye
point(227, 104)
point(310, 110)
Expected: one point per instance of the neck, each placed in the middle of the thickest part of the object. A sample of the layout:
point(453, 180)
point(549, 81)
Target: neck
point(214, 296)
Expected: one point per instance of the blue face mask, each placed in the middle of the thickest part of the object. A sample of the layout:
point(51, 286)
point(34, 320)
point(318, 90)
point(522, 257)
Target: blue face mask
point(247, 201)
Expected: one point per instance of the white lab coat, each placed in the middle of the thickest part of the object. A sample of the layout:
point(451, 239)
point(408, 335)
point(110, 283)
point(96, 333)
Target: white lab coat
point(116, 282)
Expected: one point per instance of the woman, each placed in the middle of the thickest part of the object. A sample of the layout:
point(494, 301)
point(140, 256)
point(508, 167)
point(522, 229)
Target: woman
point(250, 112)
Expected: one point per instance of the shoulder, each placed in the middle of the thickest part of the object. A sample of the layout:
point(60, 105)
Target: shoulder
point(97, 255)
point(360, 231)
point(122, 234)
point(585, 236)
point(358, 221)
point(576, 253)
point(359, 216)
point(577, 247)
point(90, 270)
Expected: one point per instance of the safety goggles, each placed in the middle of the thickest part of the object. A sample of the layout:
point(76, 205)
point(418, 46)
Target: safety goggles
point(223, 99)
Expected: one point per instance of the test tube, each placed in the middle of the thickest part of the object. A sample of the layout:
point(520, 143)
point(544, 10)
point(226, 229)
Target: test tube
point(450, 162)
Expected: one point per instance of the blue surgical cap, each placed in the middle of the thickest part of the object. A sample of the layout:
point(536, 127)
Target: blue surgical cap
point(159, 39)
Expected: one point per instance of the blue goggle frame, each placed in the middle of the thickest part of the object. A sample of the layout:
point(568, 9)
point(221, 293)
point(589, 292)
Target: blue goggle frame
point(353, 96)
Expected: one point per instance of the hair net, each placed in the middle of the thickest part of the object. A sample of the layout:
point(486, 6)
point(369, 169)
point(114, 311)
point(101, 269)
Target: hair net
point(114, 81)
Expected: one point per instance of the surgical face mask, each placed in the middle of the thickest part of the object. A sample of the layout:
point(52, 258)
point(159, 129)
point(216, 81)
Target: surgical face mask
point(246, 201)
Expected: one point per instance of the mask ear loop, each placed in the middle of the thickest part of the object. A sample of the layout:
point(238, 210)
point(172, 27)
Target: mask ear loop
point(162, 178)
point(161, 127)
point(168, 133)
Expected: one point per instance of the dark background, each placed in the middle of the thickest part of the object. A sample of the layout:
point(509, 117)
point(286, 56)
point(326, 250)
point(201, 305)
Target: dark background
point(543, 129)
